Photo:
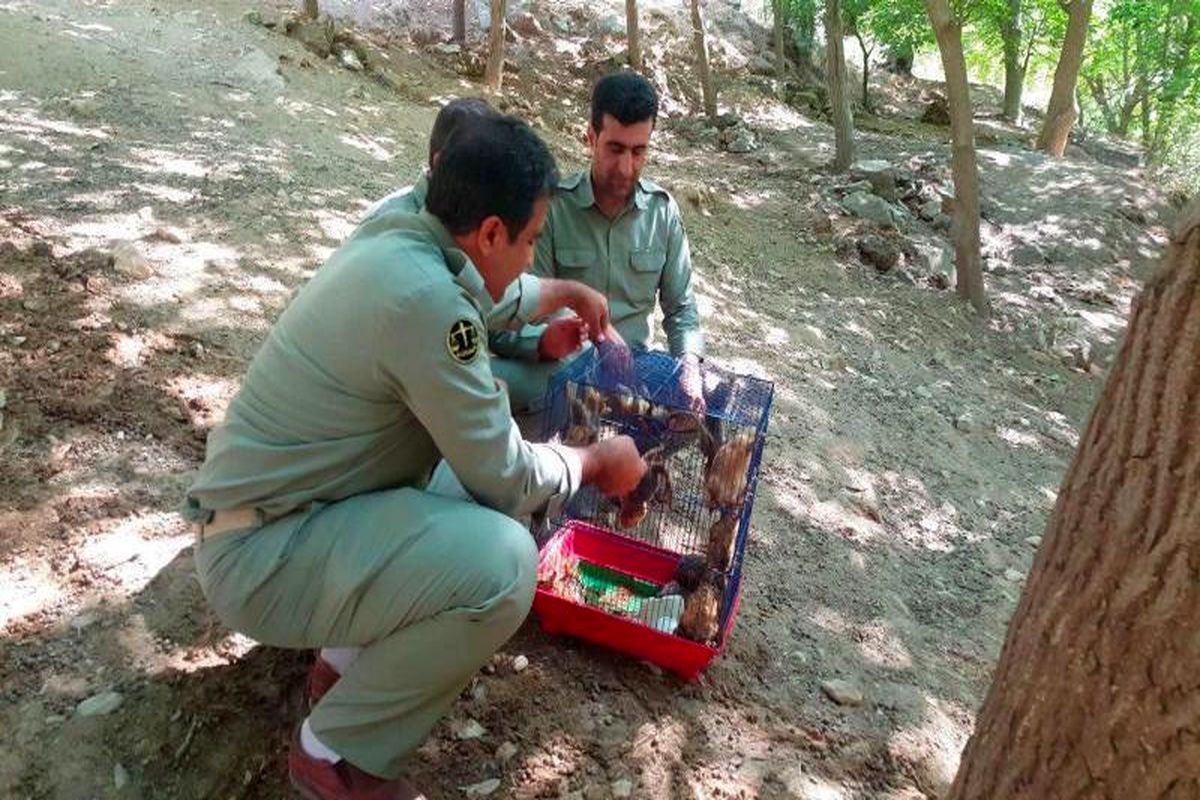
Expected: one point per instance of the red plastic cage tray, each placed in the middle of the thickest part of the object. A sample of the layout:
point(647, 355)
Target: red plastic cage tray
point(639, 560)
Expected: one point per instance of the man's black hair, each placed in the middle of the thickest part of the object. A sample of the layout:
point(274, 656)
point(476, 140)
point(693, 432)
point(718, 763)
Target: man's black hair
point(455, 114)
point(627, 96)
point(495, 167)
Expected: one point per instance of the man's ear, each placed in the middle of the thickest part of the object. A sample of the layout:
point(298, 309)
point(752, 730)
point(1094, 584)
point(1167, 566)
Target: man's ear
point(591, 136)
point(492, 234)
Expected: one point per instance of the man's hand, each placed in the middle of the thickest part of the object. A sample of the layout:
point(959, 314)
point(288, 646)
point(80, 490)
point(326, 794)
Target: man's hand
point(691, 381)
point(613, 465)
point(592, 308)
point(561, 338)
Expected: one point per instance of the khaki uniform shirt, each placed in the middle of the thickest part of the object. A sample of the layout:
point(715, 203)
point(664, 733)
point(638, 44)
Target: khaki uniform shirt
point(635, 260)
point(377, 369)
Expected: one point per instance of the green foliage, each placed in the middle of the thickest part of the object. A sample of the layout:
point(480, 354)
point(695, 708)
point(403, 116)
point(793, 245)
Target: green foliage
point(801, 16)
point(1141, 77)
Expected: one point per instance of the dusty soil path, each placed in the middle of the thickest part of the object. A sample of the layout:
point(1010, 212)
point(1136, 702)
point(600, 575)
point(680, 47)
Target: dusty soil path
point(915, 449)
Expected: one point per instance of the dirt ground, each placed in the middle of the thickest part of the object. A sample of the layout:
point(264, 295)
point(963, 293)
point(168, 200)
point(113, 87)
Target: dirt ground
point(172, 172)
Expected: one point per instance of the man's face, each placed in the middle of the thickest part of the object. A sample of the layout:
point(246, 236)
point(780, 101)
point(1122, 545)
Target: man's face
point(502, 260)
point(618, 155)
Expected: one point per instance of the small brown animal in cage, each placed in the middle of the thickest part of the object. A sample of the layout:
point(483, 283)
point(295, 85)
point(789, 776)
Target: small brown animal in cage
point(688, 573)
point(721, 537)
point(701, 617)
point(725, 478)
point(655, 486)
point(625, 403)
point(584, 427)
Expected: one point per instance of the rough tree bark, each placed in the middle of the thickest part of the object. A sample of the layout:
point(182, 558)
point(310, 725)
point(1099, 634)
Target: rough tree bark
point(460, 21)
point(700, 39)
point(312, 9)
point(1014, 67)
point(493, 75)
point(839, 98)
point(1097, 693)
point(1060, 113)
point(968, 266)
point(633, 37)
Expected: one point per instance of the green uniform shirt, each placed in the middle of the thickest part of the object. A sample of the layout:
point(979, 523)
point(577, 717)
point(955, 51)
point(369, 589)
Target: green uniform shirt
point(635, 260)
point(376, 369)
point(409, 200)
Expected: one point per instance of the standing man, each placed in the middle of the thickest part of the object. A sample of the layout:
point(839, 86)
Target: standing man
point(620, 234)
point(316, 526)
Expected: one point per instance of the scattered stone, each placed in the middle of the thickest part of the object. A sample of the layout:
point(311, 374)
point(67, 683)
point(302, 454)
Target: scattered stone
point(479, 693)
point(85, 107)
point(99, 705)
point(880, 175)
point(165, 233)
point(470, 730)
point(42, 249)
point(622, 787)
point(3, 398)
point(1033, 541)
point(923, 392)
point(55, 719)
point(315, 34)
point(1014, 575)
point(266, 19)
point(37, 305)
point(84, 620)
point(738, 139)
point(1027, 254)
point(93, 260)
point(128, 261)
point(761, 65)
point(349, 59)
point(842, 692)
point(879, 252)
point(929, 211)
point(120, 777)
point(520, 664)
point(197, 350)
point(447, 48)
point(526, 24)
point(257, 70)
point(610, 26)
point(964, 422)
point(937, 112)
point(481, 789)
point(872, 207)
point(506, 752)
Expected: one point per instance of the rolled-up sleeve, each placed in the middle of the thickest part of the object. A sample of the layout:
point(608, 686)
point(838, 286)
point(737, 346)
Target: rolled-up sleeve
point(450, 389)
point(681, 317)
point(518, 304)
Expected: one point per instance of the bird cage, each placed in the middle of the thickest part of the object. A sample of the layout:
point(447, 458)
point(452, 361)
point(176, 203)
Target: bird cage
point(656, 574)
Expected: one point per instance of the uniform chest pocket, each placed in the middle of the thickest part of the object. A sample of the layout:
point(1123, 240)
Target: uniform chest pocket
point(576, 260)
point(648, 260)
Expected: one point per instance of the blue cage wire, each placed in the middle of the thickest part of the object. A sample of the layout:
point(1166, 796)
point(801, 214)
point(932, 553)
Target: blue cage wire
point(640, 394)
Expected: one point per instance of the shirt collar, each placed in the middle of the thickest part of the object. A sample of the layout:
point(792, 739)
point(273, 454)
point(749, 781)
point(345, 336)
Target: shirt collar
point(584, 194)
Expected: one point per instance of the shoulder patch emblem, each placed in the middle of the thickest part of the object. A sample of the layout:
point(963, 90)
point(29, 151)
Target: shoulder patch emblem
point(463, 341)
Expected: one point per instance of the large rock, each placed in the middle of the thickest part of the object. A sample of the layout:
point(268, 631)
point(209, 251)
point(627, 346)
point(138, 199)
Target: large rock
point(937, 111)
point(842, 692)
point(99, 705)
point(1027, 254)
point(874, 208)
point(739, 139)
point(761, 65)
point(256, 70)
point(315, 34)
point(879, 252)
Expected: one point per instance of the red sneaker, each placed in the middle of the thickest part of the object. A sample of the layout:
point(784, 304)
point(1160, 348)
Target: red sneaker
point(321, 679)
point(317, 779)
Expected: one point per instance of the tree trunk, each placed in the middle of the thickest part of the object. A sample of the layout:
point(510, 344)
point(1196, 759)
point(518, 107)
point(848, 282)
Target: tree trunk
point(700, 39)
point(493, 76)
point(780, 53)
point(866, 71)
point(312, 9)
point(632, 37)
point(1014, 69)
point(1097, 692)
point(1060, 113)
point(967, 259)
point(460, 21)
point(839, 98)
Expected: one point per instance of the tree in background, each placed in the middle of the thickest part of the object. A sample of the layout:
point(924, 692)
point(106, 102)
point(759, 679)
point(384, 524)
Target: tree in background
point(839, 98)
point(779, 24)
point(1142, 72)
point(947, 28)
point(700, 39)
point(632, 36)
point(1096, 693)
point(901, 27)
point(854, 15)
point(1060, 113)
point(460, 21)
point(493, 75)
point(1021, 30)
